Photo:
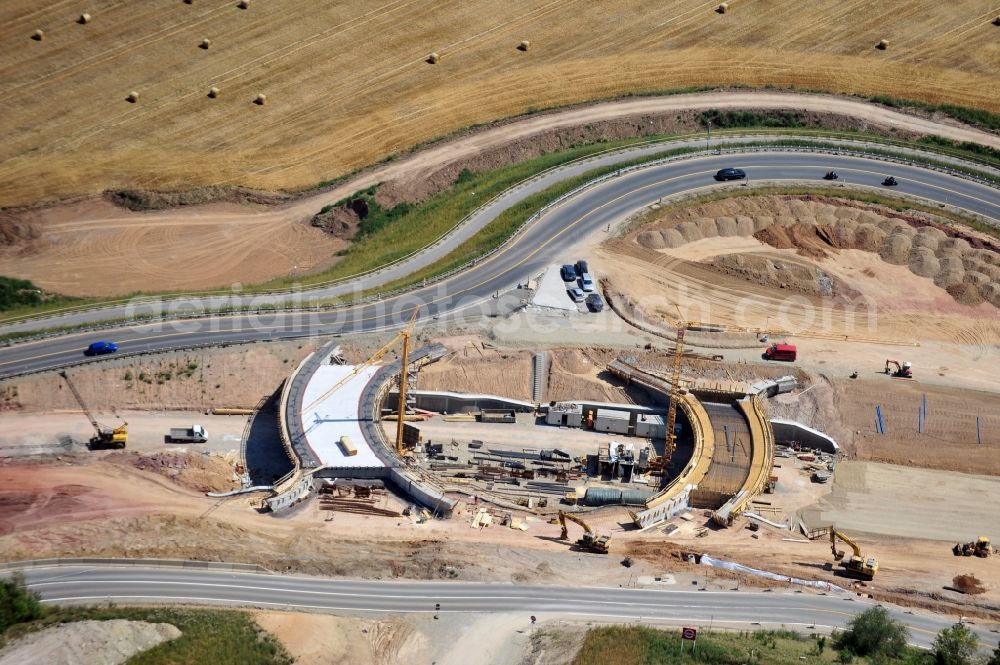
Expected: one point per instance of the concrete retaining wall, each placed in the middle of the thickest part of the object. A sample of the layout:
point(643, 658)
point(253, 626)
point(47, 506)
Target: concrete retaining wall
point(787, 432)
point(449, 402)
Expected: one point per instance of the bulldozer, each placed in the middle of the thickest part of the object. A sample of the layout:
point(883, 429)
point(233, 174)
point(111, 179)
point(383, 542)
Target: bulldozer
point(902, 370)
point(980, 547)
point(858, 565)
point(104, 437)
point(590, 541)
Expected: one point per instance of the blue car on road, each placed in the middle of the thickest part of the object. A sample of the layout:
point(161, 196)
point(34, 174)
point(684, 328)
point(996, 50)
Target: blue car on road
point(100, 348)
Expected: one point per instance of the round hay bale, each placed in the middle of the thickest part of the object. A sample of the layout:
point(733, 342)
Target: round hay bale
point(708, 227)
point(786, 220)
point(868, 237)
point(891, 226)
point(260, 99)
point(882, 45)
point(959, 244)
point(992, 271)
point(205, 44)
point(843, 234)
point(744, 225)
point(991, 292)
point(826, 219)
point(524, 45)
point(671, 238)
point(932, 232)
point(84, 19)
point(846, 212)
point(923, 262)
point(761, 222)
point(947, 278)
point(722, 8)
point(977, 278)
point(690, 231)
point(727, 226)
point(433, 59)
point(650, 240)
point(896, 249)
point(38, 35)
point(966, 294)
point(243, 4)
point(133, 97)
point(214, 92)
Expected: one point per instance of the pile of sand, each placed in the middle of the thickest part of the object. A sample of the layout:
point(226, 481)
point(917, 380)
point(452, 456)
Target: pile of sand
point(969, 584)
point(97, 642)
point(968, 270)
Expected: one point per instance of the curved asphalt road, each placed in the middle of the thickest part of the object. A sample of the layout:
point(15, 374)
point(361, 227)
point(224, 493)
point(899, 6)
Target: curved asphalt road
point(731, 609)
point(470, 292)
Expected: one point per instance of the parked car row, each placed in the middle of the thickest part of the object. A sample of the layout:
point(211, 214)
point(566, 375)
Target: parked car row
point(582, 288)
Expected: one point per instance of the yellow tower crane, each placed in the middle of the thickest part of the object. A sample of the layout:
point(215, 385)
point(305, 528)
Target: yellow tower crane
point(405, 335)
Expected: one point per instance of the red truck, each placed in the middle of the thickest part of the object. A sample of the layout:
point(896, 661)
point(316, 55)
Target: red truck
point(781, 352)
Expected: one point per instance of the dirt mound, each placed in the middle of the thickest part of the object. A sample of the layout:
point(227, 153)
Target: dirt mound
point(969, 584)
point(143, 199)
point(896, 249)
point(965, 293)
point(779, 274)
point(651, 240)
point(342, 221)
point(202, 473)
point(991, 292)
point(17, 233)
point(923, 262)
point(809, 239)
point(95, 642)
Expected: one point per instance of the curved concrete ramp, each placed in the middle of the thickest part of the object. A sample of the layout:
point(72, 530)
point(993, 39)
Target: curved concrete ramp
point(674, 497)
point(761, 460)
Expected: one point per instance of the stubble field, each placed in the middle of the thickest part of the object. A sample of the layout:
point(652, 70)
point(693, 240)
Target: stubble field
point(346, 83)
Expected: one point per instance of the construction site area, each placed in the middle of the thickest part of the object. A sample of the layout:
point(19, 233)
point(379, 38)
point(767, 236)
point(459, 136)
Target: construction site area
point(548, 306)
point(701, 423)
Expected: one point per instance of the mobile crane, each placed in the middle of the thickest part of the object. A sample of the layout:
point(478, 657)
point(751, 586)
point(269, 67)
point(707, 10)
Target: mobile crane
point(857, 566)
point(590, 541)
point(104, 437)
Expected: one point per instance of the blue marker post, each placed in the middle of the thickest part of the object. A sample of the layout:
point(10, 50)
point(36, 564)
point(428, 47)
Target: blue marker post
point(920, 420)
point(979, 432)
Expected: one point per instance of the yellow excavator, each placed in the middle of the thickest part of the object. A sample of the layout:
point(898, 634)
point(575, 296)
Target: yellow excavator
point(857, 566)
point(590, 541)
point(104, 437)
point(981, 548)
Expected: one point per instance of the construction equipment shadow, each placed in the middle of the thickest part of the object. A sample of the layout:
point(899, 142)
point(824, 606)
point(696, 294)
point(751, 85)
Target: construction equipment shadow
point(266, 459)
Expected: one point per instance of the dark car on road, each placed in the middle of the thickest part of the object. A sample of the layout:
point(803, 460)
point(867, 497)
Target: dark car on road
point(568, 273)
point(100, 348)
point(731, 174)
point(594, 303)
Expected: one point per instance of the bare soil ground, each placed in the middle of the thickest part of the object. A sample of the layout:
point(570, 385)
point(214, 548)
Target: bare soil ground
point(183, 380)
point(93, 642)
point(96, 249)
point(347, 84)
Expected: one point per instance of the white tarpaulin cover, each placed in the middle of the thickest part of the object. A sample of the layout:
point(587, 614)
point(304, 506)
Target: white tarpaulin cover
point(740, 568)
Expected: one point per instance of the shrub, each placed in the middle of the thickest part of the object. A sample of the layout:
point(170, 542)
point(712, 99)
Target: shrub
point(874, 633)
point(955, 646)
point(17, 603)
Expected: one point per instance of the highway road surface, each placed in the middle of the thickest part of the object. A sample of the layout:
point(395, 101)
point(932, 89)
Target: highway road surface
point(807, 610)
point(470, 293)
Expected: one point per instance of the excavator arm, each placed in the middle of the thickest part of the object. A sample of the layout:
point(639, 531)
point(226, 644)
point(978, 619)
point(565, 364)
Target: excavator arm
point(834, 534)
point(590, 540)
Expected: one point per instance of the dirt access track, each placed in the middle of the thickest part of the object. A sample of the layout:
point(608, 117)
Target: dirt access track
point(93, 248)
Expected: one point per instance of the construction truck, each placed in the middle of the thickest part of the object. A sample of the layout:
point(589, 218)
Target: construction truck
point(104, 437)
point(901, 371)
point(192, 434)
point(590, 542)
point(858, 565)
point(980, 547)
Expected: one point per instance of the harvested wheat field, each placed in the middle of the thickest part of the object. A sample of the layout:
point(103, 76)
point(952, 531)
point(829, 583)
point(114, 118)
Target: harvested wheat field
point(292, 93)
